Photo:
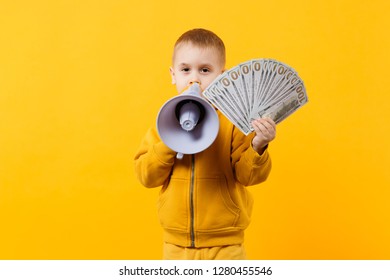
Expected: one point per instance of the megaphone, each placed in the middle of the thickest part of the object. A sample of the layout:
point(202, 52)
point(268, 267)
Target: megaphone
point(187, 123)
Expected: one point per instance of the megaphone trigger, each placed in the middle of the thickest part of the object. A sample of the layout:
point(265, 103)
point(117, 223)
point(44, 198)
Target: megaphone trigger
point(179, 155)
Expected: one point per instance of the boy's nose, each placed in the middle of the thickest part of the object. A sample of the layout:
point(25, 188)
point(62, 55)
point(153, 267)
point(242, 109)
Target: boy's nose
point(194, 80)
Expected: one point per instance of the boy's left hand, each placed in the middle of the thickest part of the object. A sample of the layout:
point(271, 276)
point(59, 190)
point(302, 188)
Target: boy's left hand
point(265, 129)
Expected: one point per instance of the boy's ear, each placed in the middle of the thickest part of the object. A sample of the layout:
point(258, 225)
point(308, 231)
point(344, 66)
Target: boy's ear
point(172, 75)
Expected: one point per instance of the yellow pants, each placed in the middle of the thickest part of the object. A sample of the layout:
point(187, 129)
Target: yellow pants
point(230, 252)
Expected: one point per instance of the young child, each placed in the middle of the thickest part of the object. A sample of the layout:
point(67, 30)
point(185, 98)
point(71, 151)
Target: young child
point(204, 205)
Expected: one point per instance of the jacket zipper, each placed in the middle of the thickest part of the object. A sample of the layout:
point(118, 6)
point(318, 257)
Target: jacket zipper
point(192, 230)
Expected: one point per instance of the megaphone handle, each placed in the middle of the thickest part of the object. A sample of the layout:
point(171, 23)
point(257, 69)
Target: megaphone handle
point(179, 156)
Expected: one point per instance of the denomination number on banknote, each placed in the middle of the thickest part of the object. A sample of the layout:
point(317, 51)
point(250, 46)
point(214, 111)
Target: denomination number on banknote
point(281, 70)
point(234, 75)
point(226, 82)
point(257, 66)
point(245, 69)
point(301, 94)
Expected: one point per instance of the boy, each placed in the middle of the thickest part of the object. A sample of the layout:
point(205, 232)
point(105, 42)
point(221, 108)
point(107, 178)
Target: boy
point(204, 206)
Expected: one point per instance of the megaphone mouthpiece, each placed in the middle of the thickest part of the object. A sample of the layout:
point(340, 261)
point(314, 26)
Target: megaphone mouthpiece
point(194, 88)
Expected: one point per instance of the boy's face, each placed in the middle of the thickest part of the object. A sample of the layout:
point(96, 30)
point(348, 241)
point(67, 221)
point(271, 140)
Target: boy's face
point(193, 64)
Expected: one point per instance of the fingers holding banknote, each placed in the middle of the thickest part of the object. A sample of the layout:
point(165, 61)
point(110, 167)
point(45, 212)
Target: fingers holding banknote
point(265, 129)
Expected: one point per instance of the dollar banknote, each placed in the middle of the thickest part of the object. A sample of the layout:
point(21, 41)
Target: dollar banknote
point(255, 89)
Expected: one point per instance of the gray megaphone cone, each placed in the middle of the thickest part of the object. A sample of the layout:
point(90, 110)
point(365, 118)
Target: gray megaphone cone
point(187, 123)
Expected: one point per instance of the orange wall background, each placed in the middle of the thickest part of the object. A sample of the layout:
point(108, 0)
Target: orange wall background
point(81, 81)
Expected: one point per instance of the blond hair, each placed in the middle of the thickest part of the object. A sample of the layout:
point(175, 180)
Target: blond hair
point(202, 38)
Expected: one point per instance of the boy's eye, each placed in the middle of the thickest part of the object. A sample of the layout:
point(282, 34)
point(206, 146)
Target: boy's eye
point(185, 69)
point(205, 70)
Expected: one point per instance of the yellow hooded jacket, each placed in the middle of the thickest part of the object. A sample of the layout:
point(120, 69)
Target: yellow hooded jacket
point(203, 201)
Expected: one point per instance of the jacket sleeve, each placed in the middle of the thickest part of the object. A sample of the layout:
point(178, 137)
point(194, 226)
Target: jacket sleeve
point(249, 167)
point(153, 160)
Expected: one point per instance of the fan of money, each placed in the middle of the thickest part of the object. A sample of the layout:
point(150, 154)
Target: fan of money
point(257, 88)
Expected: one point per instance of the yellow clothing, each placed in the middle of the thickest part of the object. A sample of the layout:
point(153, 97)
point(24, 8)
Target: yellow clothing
point(203, 201)
point(230, 252)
